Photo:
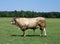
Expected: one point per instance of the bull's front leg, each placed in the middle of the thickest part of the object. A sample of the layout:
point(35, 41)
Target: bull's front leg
point(24, 29)
point(24, 33)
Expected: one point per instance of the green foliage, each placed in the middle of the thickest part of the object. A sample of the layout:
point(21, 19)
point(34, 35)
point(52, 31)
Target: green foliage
point(29, 14)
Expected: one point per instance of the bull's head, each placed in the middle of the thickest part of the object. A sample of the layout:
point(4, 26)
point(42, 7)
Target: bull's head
point(13, 21)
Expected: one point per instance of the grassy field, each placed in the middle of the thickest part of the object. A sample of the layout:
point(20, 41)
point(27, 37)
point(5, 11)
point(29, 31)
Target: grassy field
point(10, 34)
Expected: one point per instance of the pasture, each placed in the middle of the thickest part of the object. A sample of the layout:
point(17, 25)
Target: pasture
point(10, 34)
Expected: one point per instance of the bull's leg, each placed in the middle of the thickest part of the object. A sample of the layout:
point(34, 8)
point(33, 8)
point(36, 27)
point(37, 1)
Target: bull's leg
point(24, 29)
point(41, 32)
point(44, 30)
point(24, 33)
point(34, 30)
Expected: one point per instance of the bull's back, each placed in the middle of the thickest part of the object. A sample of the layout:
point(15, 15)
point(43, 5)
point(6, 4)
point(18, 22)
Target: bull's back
point(27, 21)
point(30, 22)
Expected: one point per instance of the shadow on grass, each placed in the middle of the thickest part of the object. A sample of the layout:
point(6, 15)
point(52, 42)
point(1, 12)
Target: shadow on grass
point(26, 35)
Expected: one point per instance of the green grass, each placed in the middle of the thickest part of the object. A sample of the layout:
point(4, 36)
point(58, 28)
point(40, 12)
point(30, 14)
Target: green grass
point(7, 31)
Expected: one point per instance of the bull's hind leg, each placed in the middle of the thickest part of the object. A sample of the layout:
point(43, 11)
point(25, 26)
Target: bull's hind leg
point(24, 33)
point(43, 31)
point(24, 29)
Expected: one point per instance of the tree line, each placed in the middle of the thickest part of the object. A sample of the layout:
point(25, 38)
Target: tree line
point(29, 14)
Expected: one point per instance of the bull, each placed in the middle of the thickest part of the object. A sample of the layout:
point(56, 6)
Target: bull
point(30, 23)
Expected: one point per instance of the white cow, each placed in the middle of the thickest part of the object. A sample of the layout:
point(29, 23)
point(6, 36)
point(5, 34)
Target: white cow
point(30, 23)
